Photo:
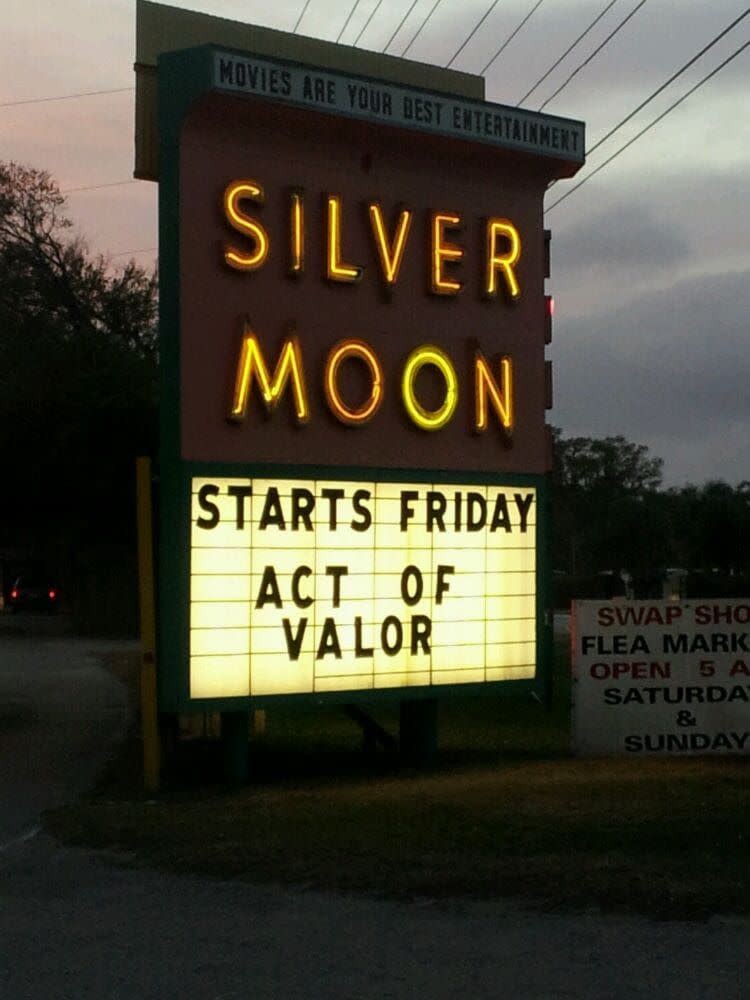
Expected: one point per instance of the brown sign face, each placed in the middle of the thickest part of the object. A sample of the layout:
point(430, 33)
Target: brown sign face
point(357, 295)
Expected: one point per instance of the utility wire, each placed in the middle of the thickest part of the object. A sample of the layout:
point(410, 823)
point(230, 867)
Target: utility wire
point(476, 28)
point(132, 253)
point(666, 83)
point(348, 19)
point(567, 51)
point(401, 23)
point(511, 36)
point(422, 26)
point(651, 125)
point(66, 97)
point(98, 187)
point(366, 25)
point(299, 19)
point(595, 53)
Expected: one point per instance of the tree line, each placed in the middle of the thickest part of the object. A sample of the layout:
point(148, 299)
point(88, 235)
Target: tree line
point(611, 512)
point(78, 369)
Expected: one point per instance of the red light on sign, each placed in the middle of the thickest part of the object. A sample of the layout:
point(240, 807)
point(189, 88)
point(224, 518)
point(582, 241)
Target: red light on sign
point(549, 311)
point(52, 594)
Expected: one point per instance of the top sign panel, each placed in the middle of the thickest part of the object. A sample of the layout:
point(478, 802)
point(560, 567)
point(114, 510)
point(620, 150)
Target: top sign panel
point(360, 269)
point(404, 107)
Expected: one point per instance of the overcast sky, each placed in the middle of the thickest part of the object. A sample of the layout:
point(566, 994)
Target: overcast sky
point(651, 258)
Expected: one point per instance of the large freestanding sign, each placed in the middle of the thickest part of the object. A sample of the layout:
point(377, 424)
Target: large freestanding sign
point(353, 338)
point(661, 677)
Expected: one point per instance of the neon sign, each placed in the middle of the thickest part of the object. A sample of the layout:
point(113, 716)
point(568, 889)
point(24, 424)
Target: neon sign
point(502, 243)
point(252, 368)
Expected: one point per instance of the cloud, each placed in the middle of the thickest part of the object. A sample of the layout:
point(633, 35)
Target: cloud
point(670, 370)
point(619, 240)
point(657, 230)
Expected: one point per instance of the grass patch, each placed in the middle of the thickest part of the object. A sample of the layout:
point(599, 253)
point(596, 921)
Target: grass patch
point(504, 811)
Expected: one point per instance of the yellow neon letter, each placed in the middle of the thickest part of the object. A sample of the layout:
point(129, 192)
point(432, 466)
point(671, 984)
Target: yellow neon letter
point(504, 262)
point(236, 192)
point(252, 364)
point(442, 251)
point(501, 396)
point(336, 269)
point(353, 349)
point(429, 420)
point(391, 254)
point(297, 234)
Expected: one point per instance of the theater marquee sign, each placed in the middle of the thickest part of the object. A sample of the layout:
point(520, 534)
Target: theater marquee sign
point(353, 338)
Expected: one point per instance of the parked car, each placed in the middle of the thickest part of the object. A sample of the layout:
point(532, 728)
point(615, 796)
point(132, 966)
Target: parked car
point(34, 593)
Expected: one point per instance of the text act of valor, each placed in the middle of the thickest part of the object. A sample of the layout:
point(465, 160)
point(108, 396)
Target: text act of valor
point(469, 511)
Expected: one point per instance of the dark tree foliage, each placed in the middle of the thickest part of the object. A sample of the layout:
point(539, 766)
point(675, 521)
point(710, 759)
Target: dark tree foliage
point(609, 513)
point(711, 526)
point(604, 492)
point(77, 375)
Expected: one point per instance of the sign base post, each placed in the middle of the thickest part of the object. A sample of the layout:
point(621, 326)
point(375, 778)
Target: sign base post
point(418, 730)
point(234, 739)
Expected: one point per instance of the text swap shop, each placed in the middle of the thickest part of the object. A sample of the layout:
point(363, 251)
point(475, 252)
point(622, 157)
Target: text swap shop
point(359, 384)
point(662, 677)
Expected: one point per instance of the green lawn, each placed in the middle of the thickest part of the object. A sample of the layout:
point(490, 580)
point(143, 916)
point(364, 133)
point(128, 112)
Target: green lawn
point(505, 810)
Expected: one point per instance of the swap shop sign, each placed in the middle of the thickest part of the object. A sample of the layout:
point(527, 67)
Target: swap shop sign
point(661, 677)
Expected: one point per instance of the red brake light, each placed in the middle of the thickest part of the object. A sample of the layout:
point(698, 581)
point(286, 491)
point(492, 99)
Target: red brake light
point(52, 595)
point(14, 594)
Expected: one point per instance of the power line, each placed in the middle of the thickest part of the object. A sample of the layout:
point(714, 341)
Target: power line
point(595, 53)
point(132, 253)
point(422, 26)
point(348, 19)
point(98, 187)
point(476, 28)
point(648, 127)
point(568, 51)
point(366, 25)
point(66, 97)
point(672, 78)
point(301, 15)
point(511, 36)
point(401, 23)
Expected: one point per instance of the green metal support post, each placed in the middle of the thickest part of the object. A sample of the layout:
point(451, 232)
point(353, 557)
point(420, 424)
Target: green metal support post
point(234, 739)
point(418, 730)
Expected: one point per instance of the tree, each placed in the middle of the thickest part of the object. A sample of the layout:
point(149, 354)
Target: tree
point(50, 278)
point(604, 508)
point(712, 526)
point(609, 513)
point(78, 371)
point(610, 466)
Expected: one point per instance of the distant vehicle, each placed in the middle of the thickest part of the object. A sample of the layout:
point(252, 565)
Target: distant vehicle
point(34, 593)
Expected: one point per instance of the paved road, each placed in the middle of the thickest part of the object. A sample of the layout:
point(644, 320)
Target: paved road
point(60, 714)
point(74, 926)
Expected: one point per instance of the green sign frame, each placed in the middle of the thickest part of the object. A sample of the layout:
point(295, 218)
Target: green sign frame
point(184, 77)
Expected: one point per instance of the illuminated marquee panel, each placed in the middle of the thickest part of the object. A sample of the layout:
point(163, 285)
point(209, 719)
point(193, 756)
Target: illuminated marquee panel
point(309, 586)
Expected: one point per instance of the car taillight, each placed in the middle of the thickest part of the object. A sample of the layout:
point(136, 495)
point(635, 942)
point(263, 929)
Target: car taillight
point(52, 595)
point(14, 594)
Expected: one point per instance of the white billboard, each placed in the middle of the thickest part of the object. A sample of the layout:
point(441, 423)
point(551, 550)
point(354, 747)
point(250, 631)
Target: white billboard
point(661, 677)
